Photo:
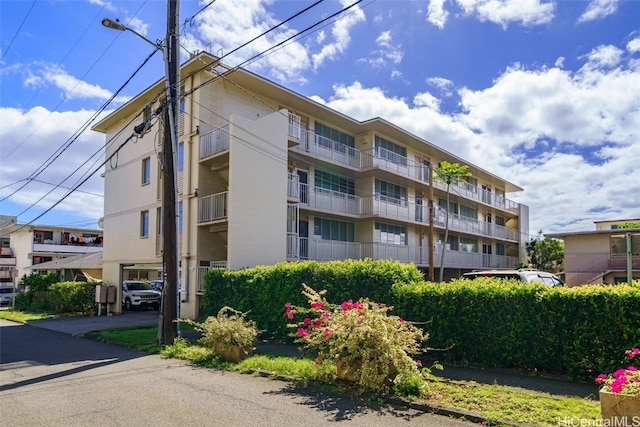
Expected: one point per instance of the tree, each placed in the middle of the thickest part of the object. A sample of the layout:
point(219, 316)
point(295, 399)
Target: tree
point(545, 253)
point(449, 173)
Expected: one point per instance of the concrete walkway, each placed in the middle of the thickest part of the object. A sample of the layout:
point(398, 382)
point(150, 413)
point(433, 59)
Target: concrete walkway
point(80, 325)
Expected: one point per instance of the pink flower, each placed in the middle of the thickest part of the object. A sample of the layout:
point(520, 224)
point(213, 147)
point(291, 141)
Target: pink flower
point(600, 378)
point(358, 305)
point(400, 319)
point(317, 304)
point(632, 368)
point(419, 362)
point(347, 305)
point(618, 373)
point(290, 313)
point(306, 321)
point(327, 332)
point(287, 305)
point(302, 332)
point(633, 353)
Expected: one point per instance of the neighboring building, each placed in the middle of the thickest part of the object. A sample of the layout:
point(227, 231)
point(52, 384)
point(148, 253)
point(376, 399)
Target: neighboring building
point(8, 270)
point(266, 175)
point(35, 244)
point(600, 255)
point(76, 268)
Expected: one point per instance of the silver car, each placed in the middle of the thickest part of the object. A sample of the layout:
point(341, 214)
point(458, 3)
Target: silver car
point(137, 294)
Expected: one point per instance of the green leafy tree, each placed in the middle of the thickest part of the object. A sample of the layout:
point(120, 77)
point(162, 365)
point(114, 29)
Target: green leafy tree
point(545, 253)
point(627, 225)
point(450, 174)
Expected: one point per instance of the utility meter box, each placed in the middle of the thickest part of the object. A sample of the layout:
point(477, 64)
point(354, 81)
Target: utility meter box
point(105, 294)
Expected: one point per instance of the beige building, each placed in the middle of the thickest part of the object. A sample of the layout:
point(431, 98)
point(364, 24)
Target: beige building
point(600, 255)
point(25, 246)
point(266, 175)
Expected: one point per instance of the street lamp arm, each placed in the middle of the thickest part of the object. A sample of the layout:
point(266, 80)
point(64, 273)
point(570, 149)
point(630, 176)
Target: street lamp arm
point(117, 25)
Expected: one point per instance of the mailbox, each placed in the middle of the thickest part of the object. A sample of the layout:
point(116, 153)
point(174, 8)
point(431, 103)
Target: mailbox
point(105, 294)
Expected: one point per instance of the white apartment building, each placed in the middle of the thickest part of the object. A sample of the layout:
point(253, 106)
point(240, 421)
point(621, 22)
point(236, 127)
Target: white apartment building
point(266, 175)
point(25, 246)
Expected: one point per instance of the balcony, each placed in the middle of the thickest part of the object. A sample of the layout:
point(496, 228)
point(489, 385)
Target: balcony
point(202, 270)
point(400, 209)
point(293, 187)
point(328, 250)
point(336, 152)
point(212, 208)
point(214, 142)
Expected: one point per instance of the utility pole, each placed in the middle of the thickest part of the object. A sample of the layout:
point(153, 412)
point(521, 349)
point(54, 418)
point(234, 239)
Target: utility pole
point(167, 328)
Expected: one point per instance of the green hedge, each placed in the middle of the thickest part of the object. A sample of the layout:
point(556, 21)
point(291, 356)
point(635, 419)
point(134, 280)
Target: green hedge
point(581, 331)
point(73, 297)
point(264, 290)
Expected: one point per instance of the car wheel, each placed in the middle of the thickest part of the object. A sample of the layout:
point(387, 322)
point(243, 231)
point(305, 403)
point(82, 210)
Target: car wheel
point(127, 304)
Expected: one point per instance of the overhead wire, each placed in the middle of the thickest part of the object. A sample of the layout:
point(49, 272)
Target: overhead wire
point(66, 95)
point(252, 59)
point(79, 132)
point(18, 30)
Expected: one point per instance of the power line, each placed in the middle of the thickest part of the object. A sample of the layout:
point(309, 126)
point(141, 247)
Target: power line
point(18, 30)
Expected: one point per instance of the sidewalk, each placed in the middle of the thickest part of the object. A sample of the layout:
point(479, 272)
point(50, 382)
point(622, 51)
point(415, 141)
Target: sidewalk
point(80, 325)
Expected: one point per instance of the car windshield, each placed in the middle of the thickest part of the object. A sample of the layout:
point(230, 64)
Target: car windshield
point(491, 274)
point(139, 286)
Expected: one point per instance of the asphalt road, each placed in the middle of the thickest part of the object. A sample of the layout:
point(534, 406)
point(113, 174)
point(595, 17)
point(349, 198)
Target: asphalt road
point(49, 378)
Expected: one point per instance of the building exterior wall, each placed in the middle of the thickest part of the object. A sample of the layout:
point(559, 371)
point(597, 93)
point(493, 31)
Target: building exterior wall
point(247, 145)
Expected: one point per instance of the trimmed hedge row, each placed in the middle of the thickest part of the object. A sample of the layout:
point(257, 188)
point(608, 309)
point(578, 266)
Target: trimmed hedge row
point(264, 290)
point(581, 331)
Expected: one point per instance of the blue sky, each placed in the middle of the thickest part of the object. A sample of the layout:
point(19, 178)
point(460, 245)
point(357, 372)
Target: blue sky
point(543, 93)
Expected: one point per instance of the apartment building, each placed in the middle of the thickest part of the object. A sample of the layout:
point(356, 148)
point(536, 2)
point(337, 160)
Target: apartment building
point(25, 246)
point(266, 175)
point(602, 255)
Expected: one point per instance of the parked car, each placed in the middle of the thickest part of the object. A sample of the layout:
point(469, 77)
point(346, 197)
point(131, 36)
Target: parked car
point(137, 294)
point(6, 295)
point(157, 284)
point(526, 275)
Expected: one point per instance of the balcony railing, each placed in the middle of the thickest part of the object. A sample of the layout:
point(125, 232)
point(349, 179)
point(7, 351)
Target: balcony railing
point(202, 270)
point(323, 199)
point(214, 142)
point(70, 249)
point(327, 250)
point(337, 152)
point(212, 208)
point(293, 186)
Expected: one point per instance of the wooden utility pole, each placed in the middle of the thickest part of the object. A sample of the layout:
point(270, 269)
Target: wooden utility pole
point(167, 328)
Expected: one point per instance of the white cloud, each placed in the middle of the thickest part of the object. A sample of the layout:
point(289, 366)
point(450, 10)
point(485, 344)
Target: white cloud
point(341, 35)
point(505, 12)
point(634, 45)
point(604, 57)
point(598, 9)
point(443, 84)
point(388, 51)
point(228, 24)
point(436, 13)
point(571, 139)
point(40, 75)
point(49, 130)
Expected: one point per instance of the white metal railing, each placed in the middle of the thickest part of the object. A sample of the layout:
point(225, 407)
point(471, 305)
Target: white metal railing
point(293, 186)
point(212, 208)
point(322, 198)
point(202, 270)
point(327, 250)
point(215, 141)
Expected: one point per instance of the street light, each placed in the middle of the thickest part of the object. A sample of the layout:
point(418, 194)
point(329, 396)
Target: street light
point(167, 328)
point(117, 25)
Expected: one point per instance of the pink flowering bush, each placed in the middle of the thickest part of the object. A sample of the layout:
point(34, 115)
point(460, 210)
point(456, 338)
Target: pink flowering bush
point(623, 381)
point(375, 346)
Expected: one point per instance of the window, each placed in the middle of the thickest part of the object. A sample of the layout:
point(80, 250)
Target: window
point(500, 249)
point(180, 157)
point(159, 221)
point(146, 113)
point(453, 206)
point(390, 234)
point(179, 217)
point(468, 245)
point(468, 212)
point(390, 151)
point(500, 220)
point(335, 183)
point(328, 229)
point(472, 184)
point(392, 193)
point(330, 136)
point(619, 245)
point(144, 224)
point(452, 242)
point(146, 171)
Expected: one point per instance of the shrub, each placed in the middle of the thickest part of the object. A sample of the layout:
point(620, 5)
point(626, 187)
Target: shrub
point(359, 336)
